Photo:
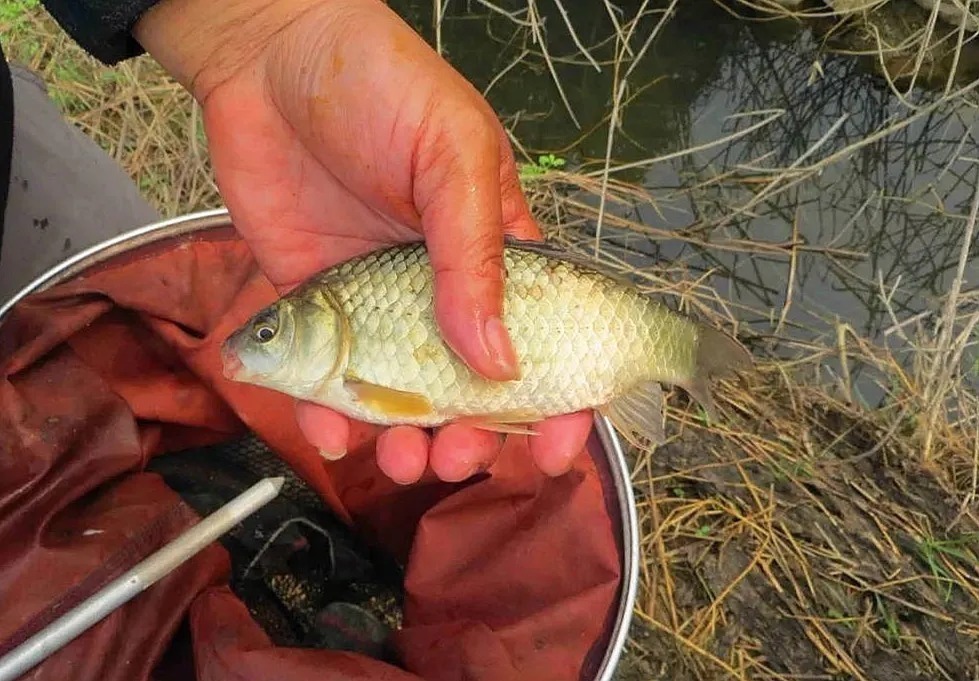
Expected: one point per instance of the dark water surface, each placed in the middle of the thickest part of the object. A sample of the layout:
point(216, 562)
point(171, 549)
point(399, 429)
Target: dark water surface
point(899, 201)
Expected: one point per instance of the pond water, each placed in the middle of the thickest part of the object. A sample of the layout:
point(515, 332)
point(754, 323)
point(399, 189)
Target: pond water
point(898, 202)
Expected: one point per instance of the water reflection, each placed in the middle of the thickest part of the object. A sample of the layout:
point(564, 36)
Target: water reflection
point(894, 199)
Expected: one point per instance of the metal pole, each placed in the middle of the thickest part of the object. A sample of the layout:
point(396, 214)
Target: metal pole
point(91, 611)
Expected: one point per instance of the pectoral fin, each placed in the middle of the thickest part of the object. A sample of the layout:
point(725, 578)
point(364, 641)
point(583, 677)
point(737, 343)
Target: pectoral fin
point(638, 413)
point(389, 401)
point(503, 422)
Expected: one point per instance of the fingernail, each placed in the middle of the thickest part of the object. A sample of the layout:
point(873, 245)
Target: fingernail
point(333, 455)
point(501, 350)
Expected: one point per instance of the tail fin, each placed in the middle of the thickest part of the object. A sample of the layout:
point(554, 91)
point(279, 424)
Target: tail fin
point(718, 354)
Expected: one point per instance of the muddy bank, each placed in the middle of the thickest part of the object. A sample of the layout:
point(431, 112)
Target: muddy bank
point(795, 541)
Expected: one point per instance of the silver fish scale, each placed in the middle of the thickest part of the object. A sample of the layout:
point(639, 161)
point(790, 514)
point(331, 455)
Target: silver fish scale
point(580, 338)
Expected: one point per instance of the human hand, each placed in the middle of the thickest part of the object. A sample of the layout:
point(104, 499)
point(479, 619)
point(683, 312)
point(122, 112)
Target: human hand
point(334, 130)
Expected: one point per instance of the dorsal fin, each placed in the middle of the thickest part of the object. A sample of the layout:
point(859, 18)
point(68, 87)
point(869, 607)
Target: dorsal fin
point(555, 252)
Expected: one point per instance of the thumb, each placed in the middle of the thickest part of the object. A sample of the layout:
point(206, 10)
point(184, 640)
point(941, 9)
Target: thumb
point(458, 194)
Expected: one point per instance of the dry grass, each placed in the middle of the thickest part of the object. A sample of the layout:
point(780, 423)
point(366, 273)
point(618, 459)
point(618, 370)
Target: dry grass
point(806, 536)
point(140, 116)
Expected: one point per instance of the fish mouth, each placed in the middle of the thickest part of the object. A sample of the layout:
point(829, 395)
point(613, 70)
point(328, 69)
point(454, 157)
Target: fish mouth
point(231, 365)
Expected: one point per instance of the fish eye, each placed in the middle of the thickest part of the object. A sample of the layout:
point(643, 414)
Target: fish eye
point(265, 326)
point(264, 333)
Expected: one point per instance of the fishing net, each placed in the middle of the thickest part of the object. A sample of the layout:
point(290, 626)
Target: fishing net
point(117, 432)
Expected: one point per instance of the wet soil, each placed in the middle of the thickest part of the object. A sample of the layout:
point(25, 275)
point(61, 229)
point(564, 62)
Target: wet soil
point(813, 555)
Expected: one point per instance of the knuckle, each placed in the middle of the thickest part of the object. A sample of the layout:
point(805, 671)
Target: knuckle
point(454, 137)
point(475, 257)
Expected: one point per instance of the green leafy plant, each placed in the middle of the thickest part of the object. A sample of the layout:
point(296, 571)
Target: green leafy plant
point(545, 163)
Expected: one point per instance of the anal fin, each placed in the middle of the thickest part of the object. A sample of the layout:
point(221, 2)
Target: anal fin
point(389, 401)
point(638, 414)
point(504, 422)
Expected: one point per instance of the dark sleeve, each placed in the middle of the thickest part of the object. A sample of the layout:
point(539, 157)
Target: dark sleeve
point(101, 27)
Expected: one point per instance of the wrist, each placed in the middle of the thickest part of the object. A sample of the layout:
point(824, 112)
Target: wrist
point(202, 43)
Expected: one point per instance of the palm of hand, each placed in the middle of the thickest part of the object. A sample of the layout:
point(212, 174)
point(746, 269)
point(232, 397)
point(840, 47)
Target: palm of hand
point(313, 178)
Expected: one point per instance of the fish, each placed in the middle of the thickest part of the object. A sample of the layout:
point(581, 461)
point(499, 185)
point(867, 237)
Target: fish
point(361, 338)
